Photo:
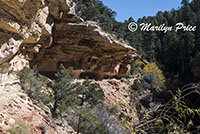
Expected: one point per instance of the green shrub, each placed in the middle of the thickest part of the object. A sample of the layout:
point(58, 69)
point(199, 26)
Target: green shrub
point(136, 89)
point(83, 121)
point(34, 85)
point(20, 128)
point(136, 67)
point(69, 94)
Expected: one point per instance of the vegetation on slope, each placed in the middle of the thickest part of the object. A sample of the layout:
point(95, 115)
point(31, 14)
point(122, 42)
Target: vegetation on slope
point(66, 100)
point(74, 102)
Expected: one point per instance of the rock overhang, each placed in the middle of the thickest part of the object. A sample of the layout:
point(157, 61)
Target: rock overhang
point(84, 47)
point(52, 34)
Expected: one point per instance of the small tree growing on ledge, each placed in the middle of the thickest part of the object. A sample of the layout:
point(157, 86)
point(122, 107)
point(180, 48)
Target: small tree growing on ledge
point(64, 91)
point(79, 98)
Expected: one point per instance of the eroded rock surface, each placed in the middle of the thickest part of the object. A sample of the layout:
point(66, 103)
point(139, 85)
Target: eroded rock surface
point(49, 33)
point(20, 21)
point(84, 47)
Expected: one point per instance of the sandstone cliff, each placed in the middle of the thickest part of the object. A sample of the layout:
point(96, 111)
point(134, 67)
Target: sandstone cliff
point(48, 33)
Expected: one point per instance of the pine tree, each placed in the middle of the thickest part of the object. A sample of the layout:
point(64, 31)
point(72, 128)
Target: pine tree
point(79, 98)
point(185, 2)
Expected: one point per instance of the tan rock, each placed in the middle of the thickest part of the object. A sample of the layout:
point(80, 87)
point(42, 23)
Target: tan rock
point(18, 63)
point(22, 21)
point(52, 24)
point(86, 48)
point(11, 121)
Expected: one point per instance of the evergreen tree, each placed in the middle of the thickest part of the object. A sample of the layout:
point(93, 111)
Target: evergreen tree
point(79, 98)
point(185, 2)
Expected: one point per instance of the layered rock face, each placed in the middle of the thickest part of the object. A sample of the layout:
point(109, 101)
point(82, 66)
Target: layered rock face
point(21, 22)
point(48, 33)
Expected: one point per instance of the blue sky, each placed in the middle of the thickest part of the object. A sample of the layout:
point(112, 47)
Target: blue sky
point(140, 8)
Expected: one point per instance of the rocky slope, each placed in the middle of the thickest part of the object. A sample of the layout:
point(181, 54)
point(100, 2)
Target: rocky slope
point(117, 96)
point(17, 107)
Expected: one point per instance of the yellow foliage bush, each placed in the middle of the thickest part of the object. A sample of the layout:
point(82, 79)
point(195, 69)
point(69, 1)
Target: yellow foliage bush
point(139, 62)
point(153, 68)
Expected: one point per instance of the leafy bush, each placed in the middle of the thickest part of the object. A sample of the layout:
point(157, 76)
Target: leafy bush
point(134, 69)
point(4, 68)
point(64, 91)
point(65, 95)
point(151, 82)
point(153, 68)
point(148, 82)
point(20, 128)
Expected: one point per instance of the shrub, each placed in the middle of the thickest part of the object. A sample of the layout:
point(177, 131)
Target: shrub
point(151, 82)
point(153, 68)
point(20, 128)
point(34, 85)
point(4, 68)
point(69, 94)
point(136, 67)
point(136, 89)
point(83, 121)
